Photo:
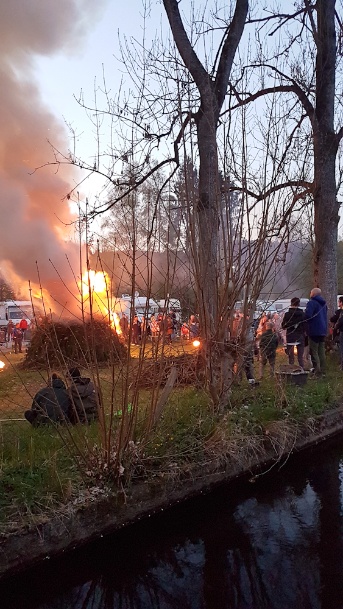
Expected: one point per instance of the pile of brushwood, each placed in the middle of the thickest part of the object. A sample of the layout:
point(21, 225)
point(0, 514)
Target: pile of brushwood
point(61, 345)
point(189, 370)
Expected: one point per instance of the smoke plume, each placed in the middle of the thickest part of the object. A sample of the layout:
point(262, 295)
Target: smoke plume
point(35, 220)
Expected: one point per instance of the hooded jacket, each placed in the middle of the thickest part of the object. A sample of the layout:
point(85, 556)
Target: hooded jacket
point(52, 404)
point(316, 315)
point(84, 398)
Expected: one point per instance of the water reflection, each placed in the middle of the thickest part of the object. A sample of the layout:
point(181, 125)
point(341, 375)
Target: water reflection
point(277, 544)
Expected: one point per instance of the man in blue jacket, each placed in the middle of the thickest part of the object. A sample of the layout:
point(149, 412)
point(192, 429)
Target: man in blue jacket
point(316, 315)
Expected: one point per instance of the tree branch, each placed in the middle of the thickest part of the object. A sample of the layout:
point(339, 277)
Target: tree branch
point(233, 36)
point(189, 56)
point(292, 88)
point(308, 186)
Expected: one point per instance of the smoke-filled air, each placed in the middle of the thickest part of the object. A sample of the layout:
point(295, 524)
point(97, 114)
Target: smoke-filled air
point(35, 216)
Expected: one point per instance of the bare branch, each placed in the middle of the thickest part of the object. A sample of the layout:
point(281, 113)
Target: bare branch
point(189, 56)
point(293, 87)
point(233, 36)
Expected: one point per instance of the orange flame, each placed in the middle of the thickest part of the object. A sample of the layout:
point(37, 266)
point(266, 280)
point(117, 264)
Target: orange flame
point(96, 282)
point(95, 285)
point(2, 365)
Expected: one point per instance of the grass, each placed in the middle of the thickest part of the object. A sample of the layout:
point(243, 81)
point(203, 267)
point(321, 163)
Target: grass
point(44, 469)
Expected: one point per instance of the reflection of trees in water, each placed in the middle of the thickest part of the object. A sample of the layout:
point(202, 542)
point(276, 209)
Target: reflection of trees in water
point(261, 555)
point(282, 569)
point(325, 480)
point(141, 580)
point(282, 548)
point(229, 556)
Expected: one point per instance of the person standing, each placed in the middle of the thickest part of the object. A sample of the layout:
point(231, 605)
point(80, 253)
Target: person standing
point(337, 320)
point(124, 326)
point(136, 331)
point(10, 328)
point(193, 326)
point(268, 346)
point(294, 324)
point(154, 328)
point(17, 339)
point(316, 316)
point(23, 325)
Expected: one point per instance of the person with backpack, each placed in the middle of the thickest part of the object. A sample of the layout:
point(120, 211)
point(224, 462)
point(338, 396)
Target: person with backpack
point(84, 398)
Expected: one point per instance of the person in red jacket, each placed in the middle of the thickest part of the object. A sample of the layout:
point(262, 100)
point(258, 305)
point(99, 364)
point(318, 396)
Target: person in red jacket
point(23, 326)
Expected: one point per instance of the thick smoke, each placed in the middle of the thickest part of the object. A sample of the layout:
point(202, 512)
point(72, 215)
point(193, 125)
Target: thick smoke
point(35, 220)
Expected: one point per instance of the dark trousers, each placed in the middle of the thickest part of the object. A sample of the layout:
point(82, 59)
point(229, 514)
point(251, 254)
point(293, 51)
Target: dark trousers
point(317, 352)
point(17, 344)
point(300, 353)
point(248, 364)
point(341, 349)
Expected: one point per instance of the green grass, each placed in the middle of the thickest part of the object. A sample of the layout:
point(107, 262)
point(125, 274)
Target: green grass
point(43, 469)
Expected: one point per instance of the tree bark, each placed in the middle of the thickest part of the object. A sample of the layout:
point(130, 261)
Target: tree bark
point(325, 144)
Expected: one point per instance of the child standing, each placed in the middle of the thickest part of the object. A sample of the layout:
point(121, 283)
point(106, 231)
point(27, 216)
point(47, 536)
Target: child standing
point(268, 345)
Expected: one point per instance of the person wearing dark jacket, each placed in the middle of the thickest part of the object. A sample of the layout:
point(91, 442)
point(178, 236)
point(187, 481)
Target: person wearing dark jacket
point(136, 331)
point(337, 320)
point(84, 398)
point(316, 315)
point(294, 324)
point(51, 404)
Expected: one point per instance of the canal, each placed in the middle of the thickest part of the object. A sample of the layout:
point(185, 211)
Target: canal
point(275, 542)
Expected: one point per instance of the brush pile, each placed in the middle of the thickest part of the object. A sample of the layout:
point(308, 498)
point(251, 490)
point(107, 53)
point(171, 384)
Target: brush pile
point(190, 370)
point(65, 345)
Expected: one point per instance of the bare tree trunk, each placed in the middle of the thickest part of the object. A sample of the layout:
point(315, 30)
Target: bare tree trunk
point(212, 94)
point(325, 140)
point(208, 212)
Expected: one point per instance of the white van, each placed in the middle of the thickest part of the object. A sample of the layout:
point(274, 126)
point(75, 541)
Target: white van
point(283, 305)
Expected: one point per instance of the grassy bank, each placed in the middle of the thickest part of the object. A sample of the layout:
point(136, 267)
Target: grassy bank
point(44, 470)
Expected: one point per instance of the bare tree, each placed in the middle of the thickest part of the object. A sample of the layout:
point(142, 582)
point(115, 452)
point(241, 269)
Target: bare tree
point(233, 250)
point(310, 42)
point(212, 89)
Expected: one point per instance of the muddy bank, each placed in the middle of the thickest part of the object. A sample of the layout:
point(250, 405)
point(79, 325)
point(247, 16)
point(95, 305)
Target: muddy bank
point(81, 523)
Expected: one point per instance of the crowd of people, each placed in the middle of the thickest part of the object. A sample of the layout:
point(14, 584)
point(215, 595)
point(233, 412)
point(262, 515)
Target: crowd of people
point(163, 327)
point(15, 333)
point(302, 333)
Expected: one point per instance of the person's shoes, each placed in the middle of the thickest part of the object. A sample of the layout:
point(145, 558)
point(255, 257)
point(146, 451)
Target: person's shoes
point(253, 382)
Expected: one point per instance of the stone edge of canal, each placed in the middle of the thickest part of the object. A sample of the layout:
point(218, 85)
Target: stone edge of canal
point(19, 551)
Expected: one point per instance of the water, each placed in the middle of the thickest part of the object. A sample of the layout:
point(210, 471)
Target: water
point(276, 543)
